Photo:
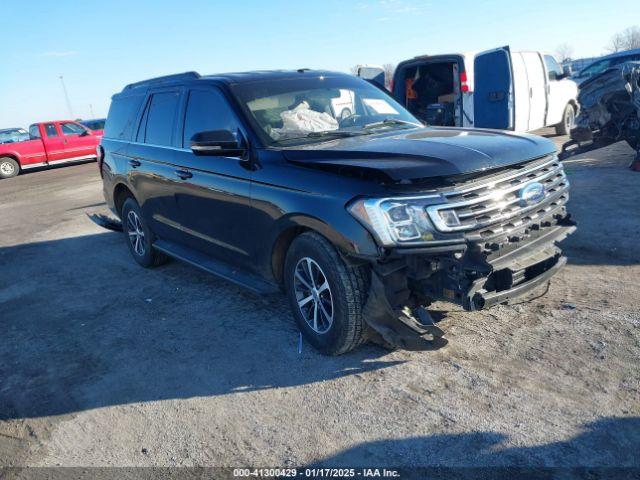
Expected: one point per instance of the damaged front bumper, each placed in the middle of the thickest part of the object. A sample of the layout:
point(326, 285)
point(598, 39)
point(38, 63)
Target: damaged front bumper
point(474, 275)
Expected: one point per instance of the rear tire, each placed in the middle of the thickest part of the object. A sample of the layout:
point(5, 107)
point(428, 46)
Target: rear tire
point(568, 120)
point(338, 306)
point(139, 236)
point(8, 167)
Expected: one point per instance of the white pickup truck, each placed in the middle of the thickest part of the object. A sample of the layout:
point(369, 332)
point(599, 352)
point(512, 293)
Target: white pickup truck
point(498, 88)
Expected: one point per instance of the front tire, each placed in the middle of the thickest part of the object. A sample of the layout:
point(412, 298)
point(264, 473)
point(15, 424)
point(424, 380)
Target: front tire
point(326, 294)
point(139, 236)
point(8, 167)
point(568, 120)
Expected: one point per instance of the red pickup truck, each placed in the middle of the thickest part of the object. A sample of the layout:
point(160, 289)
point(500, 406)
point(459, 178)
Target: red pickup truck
point(49, 143)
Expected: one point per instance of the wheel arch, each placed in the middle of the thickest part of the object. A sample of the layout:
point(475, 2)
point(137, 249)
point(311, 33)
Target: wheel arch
point(12, 156)
point(120, 194)
point(295, 225)
point(574, 103)
point(280, 248)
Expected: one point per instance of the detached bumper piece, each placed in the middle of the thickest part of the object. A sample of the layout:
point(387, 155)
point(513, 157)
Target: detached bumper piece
point(402, 327)
point(106, 221)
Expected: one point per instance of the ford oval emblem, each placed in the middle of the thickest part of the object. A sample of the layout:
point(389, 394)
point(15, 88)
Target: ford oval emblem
point(532, 193)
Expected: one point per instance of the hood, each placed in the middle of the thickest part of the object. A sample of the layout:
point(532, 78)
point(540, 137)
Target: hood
point(424, 152)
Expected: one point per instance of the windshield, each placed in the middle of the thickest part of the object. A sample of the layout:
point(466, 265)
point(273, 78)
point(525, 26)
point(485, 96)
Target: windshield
point(11, 136)
point(595, 68)
point(313, 108)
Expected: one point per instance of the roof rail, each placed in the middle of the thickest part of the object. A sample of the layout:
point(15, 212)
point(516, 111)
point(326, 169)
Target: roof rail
point(161, 80)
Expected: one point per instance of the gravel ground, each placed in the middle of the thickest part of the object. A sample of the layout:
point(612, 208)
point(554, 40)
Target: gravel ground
point(103, 363)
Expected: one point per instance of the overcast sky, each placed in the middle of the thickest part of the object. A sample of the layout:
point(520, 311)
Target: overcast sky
point(101, 45)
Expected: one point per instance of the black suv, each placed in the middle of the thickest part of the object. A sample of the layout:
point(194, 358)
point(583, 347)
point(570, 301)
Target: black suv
point(363, 217)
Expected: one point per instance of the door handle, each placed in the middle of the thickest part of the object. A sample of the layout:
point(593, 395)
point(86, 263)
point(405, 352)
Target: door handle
point(134, 163)
point(184, 174)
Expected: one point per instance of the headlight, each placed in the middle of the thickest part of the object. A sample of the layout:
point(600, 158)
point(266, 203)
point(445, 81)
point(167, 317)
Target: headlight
point(396, 221)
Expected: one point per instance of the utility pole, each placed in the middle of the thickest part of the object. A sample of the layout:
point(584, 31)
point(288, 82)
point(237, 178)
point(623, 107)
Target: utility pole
point(66, 97)
point(91, 110)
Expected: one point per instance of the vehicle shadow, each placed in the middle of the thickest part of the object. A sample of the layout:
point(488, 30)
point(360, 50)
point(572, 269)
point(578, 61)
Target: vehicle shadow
point(85, 327)
point(28, 171)
point(607, 448)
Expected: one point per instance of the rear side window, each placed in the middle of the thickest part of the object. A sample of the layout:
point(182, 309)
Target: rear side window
point(122, 117)
point(71, 128)
point(34, 132)
point(554, 70)
point(160, 118)
point(94, 125)
point(50, 128)
point(207, 110)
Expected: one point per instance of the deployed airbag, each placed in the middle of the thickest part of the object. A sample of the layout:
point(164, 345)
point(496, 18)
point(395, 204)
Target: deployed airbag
point(302, 120)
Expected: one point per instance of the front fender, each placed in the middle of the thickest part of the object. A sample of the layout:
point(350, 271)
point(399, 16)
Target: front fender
point(349, 237)
point(352, 241)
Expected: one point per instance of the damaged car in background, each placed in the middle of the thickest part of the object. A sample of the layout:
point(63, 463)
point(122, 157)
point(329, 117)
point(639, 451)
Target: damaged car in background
point(610, 112)
point(363, 217)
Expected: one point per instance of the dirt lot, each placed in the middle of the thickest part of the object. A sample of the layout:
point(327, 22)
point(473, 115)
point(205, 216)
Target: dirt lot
point(105, 363)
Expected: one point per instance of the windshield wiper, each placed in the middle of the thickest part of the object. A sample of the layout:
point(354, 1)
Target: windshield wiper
point(389, 122)
point(332, 133)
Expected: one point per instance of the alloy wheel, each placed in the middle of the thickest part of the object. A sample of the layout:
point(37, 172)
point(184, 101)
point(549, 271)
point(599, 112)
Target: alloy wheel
point(136, 233)
point(7, 168)
point(313, 295)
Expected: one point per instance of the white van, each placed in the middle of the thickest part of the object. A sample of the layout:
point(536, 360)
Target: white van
point(519, 91)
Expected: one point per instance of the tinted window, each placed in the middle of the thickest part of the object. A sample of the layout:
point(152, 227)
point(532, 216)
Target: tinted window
point(207, 110)
point(122, 116)
point(619, 60)
point(596, 68)
point(94, 124)
point(554, 70)
point(71, 128)
point(34, 132)
point(160, 118)
point(50, 128)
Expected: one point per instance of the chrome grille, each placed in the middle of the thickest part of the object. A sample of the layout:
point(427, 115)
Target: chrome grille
point(494, 205)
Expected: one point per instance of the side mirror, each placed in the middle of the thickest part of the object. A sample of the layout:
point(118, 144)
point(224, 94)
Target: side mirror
point(217, 143)
point(567, 71)
point(84, 133)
